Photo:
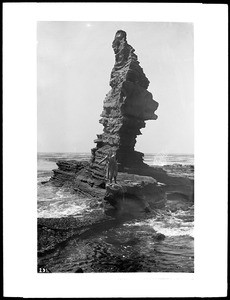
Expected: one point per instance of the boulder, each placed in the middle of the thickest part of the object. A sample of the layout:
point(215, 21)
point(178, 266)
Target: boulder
point(134, 194)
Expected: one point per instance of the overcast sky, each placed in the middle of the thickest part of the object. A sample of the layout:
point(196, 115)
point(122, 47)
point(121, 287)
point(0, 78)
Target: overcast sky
point(75, 60)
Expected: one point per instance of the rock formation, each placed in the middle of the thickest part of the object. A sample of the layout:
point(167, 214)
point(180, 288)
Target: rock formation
point(126, 108)
point(140, 189)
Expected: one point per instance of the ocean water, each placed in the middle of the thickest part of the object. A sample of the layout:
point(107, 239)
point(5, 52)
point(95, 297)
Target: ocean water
point(128, 247)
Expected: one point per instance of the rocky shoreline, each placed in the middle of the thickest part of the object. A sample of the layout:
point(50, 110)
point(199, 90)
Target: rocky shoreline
point(56, 232)
point(148, 187)
point(140, 189)
point(135, 196)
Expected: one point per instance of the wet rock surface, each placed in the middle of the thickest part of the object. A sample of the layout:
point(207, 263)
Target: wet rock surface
point(55, 232)
point(133, 196)
point(136, 190)
point(134, 193)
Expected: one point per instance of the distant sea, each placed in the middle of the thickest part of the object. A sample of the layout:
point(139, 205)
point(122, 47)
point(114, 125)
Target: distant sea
point(174, 254)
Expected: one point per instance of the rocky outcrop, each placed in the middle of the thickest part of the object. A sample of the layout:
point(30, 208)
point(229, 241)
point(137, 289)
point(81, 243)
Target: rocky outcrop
point(134, 194)
point(66, 172)
point(54, 232)
point(174, 179)
point(126, 108)
point(136, 191)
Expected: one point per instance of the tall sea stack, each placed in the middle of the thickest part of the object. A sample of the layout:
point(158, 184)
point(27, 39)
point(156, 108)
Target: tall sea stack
point(125, 109)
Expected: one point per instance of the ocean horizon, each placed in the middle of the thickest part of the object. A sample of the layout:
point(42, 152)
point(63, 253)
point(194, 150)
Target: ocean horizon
point(152, 159)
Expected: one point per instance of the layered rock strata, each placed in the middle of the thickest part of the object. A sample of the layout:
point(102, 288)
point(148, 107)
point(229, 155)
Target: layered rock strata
point(126, 108)
point(135, 194)
point(66, 172)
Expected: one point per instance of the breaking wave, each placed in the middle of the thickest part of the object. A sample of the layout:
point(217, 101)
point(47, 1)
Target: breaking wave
point(179, 223)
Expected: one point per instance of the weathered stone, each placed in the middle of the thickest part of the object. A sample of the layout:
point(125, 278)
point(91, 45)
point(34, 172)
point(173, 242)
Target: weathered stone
point(66, 172)
point(134, 194)
point(159, 236)
point(126, 108)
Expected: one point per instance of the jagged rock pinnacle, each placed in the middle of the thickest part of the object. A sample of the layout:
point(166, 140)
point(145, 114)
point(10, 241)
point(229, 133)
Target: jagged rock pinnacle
point(125, 109)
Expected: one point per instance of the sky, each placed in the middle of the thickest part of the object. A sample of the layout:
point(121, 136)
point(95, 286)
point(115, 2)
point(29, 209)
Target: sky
point(74, 63)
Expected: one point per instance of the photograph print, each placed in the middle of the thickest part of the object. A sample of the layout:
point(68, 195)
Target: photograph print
point(115, 147)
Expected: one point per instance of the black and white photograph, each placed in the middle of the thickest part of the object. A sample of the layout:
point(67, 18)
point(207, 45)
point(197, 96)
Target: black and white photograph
point(115, 142)
point(104, 206)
